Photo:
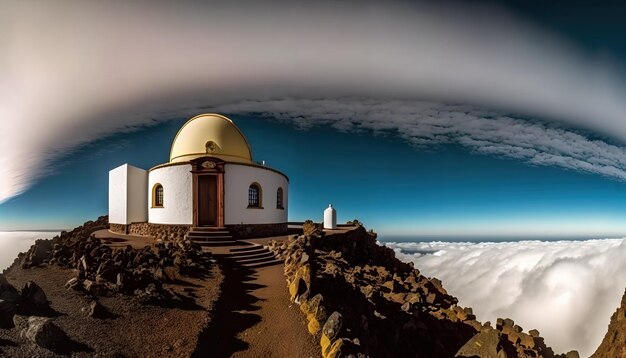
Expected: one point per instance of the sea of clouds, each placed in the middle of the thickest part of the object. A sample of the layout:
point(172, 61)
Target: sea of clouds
point(14, 242)
point(568, 290)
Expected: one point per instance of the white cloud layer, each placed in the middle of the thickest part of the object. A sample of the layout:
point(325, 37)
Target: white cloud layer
point(14, 242)
point(568, 290)
point(74, 71)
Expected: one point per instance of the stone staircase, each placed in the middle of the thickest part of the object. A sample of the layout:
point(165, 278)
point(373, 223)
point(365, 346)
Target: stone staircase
point(253, 256)
point(211, 236)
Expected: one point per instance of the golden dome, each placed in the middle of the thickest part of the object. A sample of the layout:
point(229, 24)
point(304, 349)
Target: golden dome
point(210, 135)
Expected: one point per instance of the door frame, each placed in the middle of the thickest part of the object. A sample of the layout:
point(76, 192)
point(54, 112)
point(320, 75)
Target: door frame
point(208, 166)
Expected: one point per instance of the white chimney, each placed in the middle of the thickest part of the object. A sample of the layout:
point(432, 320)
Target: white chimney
point(330, 217)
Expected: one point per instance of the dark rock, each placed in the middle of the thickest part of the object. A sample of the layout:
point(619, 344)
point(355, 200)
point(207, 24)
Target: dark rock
point(7, 291)
point(333, 325)
point(7, 310)
point(37, 254)
point(43, 332)
point(91, 287)
point(121, 282)
point(96, 310)
point(33, 295)
point(73, 284)
point(534, 333)
point(406, 307)
point(305, 258)
point(483, 345)
point(84, 263)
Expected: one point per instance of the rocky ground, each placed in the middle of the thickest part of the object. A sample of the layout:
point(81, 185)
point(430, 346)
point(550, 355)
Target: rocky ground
point(74, 295)
point(614, 342)
point(360, 300)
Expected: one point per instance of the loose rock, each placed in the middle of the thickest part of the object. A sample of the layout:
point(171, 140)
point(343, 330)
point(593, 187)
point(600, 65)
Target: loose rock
point(43, 332)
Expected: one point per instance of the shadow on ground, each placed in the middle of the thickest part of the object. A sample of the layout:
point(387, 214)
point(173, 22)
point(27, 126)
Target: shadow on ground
point(219, 339)
point(6, 342)
point(72, 346)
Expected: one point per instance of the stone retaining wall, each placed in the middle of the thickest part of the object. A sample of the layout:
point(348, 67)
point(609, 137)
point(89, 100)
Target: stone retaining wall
point(119, 228)
point(157, 231)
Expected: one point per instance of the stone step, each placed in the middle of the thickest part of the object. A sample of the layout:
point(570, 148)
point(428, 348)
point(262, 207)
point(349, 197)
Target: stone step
point(259, 255)
point(263, 264)
point(256, 260)
point(208, 233)
point(216, 232)
point(249, 251)
point(217, 243)
point(209, 228)
point(247, 248)
point(209, 237)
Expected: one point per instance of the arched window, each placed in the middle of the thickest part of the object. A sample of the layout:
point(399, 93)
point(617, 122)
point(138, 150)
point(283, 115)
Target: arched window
point(254, 196)
point(157, 196)
point(279, 199)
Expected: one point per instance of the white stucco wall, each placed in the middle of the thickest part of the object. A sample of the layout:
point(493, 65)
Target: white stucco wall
point(237, 180)
point(177, 200)
point(117, 195)
point(137, 195)
point(127, 195)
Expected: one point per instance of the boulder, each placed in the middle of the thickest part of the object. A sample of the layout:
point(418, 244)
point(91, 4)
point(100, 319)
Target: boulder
point(7, 310)
point(43, 332)
point(330, 331)
point(514, 337)
point(300, 284)
point(395, 297)
point(534, 333)
point(33, 295)
point(316, 313)
point(7, 291)
point(335, 349)
point(37, 254)
point(527, 341)
point(96, 310)
point(483, 345)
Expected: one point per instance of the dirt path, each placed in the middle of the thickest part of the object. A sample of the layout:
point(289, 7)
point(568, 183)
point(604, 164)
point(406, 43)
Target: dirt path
point(254, 318)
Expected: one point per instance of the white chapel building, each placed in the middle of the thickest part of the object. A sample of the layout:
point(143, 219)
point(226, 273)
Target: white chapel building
point(210, 181)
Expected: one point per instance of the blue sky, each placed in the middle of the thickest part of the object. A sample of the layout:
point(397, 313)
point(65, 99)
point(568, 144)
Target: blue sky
point(438, 119)
point(396, 189)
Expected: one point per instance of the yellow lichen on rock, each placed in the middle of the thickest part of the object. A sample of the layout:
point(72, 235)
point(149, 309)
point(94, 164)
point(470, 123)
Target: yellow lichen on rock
point(325, 344)
point(335, 349)
point(300, 283)
point(314, 325)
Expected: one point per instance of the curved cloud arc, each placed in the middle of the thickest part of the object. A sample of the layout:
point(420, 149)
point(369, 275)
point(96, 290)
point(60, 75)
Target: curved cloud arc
point(70, 70)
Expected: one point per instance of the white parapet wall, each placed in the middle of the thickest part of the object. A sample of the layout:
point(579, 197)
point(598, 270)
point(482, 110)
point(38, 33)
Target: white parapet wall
point(237, 180)
point(128, 195)
point(177, 195)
